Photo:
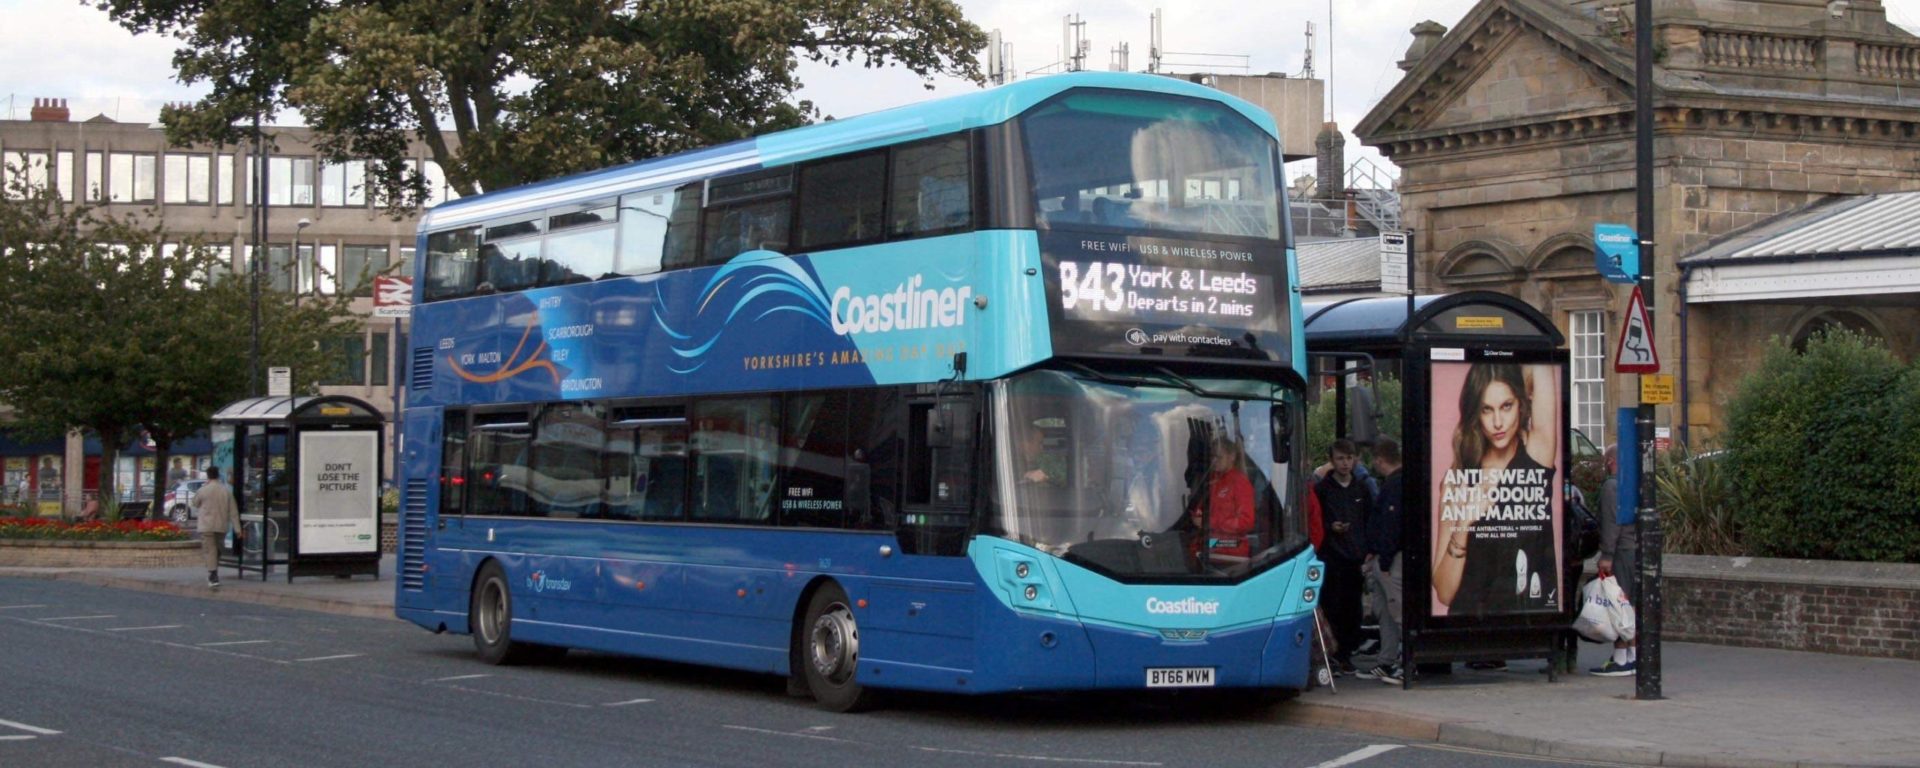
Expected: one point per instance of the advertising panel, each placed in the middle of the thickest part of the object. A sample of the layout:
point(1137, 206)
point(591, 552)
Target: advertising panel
point(1134, 295)
point(339, 492)
point(1496, 488)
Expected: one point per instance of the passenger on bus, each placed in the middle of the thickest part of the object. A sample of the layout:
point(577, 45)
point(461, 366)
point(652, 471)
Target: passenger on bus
point(1224, 515)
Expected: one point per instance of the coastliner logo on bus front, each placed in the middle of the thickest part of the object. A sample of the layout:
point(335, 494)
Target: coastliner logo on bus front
point(1190, 606)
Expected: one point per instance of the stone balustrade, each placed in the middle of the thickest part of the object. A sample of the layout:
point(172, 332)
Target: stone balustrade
point(1748, 50)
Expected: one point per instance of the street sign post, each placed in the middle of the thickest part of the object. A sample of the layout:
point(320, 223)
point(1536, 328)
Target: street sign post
point(279, 381)
point(1395, 252)
point(1635, 352)
point(1618, 255)
point(392, 297)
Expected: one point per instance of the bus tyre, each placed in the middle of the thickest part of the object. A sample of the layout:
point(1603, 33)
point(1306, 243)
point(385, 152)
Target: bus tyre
point(830, 652)
point(490, 617)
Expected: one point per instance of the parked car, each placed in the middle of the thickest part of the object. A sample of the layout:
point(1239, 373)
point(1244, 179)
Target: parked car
point(179, 502)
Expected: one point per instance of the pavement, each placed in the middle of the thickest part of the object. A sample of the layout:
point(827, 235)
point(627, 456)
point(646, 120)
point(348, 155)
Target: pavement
point(1724, 706)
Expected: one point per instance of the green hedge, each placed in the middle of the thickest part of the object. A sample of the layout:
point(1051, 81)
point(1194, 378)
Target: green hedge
point(1822, 450)
point(1387, 395)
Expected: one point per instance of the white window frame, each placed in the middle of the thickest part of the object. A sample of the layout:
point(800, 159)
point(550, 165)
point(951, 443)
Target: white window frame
point(1587, 332)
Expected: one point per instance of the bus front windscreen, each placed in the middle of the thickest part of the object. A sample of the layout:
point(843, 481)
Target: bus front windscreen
point(1151, 164)
point(1146, 476)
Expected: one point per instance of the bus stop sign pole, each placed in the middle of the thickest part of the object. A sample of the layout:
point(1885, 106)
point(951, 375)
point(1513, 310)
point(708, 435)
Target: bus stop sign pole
point(1647, 605)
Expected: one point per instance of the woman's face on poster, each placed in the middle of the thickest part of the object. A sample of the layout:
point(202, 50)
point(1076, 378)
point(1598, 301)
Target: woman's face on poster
point(1499, 415)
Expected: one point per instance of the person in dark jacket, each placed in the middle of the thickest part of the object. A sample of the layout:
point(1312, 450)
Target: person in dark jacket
point(1382, 564)
point(1344, 501)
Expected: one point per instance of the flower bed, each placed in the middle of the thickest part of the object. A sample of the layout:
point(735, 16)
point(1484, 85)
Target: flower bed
point(46, 528)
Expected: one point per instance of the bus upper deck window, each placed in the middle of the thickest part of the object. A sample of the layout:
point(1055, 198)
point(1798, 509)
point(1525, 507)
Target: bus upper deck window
point(932, 191)
point(452, 264)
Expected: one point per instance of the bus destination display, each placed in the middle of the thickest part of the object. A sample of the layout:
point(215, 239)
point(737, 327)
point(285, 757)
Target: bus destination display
point(1129, 295)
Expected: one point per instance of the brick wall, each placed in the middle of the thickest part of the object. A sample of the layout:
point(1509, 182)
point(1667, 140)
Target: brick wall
point(1858, 609)
point(99, 554)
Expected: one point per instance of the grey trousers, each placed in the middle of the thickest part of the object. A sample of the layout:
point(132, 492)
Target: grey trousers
point(1386, 606)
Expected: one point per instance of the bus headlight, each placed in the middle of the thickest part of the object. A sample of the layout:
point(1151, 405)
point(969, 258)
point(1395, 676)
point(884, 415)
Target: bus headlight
point(1033, 592)
point(1307, 595)
point(1020, 572)
point(1313, 573)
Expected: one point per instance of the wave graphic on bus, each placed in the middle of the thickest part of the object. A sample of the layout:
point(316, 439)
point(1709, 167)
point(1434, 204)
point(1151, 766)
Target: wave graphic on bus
point(513, 366)
point(769, 282)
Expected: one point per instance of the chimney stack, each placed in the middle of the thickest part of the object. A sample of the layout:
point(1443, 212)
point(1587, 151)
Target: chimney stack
point(49, 110)
point(1426, 37)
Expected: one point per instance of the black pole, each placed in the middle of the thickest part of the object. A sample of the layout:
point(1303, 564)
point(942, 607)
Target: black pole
point(1647, 520)
point(257, 235)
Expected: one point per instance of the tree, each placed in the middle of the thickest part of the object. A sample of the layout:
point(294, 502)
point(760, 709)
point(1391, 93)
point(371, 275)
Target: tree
point(532, 90)
point(108, 331)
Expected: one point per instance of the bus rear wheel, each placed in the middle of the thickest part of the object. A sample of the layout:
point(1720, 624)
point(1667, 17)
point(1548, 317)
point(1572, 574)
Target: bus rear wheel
point(490, 617)
point(830, 652)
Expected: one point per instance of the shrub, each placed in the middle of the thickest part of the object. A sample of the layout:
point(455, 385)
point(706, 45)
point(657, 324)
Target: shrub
point(1320, 422)
point(1816, 452)
point(1695, 494)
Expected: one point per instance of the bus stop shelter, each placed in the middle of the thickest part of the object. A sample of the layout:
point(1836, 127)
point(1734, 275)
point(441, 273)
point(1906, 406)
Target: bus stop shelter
point(306, 475)
point(1488, 569)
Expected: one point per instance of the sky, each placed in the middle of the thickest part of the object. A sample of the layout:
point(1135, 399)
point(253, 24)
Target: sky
point(67, 49)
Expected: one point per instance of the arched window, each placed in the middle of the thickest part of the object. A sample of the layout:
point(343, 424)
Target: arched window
point(1831, 319)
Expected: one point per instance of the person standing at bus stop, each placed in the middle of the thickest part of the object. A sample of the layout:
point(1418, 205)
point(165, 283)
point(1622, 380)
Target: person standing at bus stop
point(1382, 565)
point(1344, 501)
point(214, 503)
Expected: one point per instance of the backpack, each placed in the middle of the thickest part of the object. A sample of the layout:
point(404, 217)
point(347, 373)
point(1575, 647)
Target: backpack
point(1585, 536)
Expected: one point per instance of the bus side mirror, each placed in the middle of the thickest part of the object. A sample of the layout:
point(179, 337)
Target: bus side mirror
point(940, 426)
point(1282, 434)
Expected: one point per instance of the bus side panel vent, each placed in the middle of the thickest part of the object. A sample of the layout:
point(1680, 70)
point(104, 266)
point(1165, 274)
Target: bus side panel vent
point(413, 537)
point(421, 379)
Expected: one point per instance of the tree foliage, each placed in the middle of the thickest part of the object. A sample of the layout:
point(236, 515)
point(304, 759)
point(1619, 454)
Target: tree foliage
point(109, 332)
point(532, 90)
point(1820, 444)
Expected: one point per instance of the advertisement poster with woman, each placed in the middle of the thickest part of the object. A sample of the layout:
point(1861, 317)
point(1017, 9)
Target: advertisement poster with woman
point(1497, 475)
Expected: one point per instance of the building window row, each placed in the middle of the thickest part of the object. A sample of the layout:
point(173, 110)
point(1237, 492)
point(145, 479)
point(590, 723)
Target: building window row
point(198, 178)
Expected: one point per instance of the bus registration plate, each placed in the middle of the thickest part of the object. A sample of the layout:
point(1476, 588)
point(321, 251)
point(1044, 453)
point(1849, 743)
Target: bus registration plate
point(1180, 677)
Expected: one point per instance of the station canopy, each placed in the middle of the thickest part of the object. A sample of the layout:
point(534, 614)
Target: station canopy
point(286, 410)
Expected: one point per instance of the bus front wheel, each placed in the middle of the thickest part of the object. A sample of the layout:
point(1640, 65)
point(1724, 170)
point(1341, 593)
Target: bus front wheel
point(830, 651)
point(490, 617)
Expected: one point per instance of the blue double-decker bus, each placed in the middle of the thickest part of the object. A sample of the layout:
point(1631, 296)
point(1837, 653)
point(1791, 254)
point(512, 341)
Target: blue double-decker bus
point(992, 393)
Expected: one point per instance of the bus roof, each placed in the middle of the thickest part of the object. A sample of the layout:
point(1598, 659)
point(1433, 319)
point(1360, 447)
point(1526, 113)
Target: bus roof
point(892, 126)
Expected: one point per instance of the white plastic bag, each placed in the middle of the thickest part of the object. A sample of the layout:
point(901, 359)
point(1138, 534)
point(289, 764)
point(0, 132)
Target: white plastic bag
point(1596, 620)
point(1619, 611)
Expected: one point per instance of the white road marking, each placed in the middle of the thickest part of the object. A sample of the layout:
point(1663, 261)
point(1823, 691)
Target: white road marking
point(1359, 754)
point(457, 677)
point(17, 607)
point(77, 618)
point(234, 642)
point(815, 737)
point(1035, 758)
point(28, 728)
point(16, 737)
point(142, 629)
point(188, 763)
point(624, 703)
point(331, 658)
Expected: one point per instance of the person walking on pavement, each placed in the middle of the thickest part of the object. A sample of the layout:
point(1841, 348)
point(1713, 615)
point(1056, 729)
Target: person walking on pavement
point(214, 503)
point(1382, 565)
point(1618, 545)
point(1344, 501)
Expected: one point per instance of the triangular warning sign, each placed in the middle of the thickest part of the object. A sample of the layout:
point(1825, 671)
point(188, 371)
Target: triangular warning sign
point(1635, 352)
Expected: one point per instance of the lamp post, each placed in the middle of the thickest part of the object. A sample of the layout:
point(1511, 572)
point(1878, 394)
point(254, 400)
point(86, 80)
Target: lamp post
point(300, 264)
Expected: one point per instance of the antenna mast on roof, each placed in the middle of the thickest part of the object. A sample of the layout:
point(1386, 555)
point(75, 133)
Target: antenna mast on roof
point(1075, 45)
point(1153, 41)
point(1306, 67)
point(996, 59)
point(1119, 61)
